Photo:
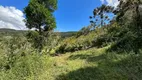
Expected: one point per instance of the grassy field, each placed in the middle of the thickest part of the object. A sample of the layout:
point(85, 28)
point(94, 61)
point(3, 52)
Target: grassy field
point(93, 64)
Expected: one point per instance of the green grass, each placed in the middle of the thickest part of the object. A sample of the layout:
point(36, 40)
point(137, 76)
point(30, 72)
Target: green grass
point(93, 64)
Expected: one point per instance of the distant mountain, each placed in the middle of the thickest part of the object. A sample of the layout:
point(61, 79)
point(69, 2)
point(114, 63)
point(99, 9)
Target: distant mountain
point(11, 32)
point(6, 31)
point(68, 34)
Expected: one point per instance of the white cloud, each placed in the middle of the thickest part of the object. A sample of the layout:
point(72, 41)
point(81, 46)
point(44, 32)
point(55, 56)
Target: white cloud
point(103, 1)
point(113, 3)
point(10, 17)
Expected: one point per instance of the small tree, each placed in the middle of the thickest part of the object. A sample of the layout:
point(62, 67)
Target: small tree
point(39, 15)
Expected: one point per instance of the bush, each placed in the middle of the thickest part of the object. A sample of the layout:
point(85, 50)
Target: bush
point(19, 61)
point(44, 43)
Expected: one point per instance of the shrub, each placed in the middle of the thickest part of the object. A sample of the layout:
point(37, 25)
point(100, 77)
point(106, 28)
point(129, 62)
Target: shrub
point(19, 61)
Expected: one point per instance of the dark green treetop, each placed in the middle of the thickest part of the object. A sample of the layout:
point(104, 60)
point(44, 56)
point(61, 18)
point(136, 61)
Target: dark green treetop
point(39, 15)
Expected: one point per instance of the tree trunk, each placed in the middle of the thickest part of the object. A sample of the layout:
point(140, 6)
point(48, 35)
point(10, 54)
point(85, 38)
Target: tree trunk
point(40, 32)
point(138, 18)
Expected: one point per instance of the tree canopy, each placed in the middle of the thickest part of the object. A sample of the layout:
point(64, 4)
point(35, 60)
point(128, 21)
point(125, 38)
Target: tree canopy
point(39, 15)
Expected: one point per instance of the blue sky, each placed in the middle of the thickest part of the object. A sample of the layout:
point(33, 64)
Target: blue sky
point(71, 15)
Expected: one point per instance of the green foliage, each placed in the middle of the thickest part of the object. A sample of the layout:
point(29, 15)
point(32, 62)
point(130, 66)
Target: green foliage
point(129, 18)
point(43, 43)
point(85, 30)
point(18, 60)
point(77, 42)
point(89, 37)
point(51, 43)
point(39, 15)
point(36, 39)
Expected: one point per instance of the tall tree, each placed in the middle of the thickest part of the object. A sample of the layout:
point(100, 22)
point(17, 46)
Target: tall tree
point(100, 14)
point(39, 15)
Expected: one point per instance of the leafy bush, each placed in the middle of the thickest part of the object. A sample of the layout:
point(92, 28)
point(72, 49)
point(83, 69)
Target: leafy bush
point(18, 60)
point(44, 43)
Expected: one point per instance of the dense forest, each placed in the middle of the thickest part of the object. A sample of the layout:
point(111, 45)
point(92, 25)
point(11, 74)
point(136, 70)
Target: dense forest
point(107, 49)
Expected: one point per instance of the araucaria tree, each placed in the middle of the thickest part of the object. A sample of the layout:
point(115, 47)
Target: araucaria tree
point(100, 14)
point(39, 16)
